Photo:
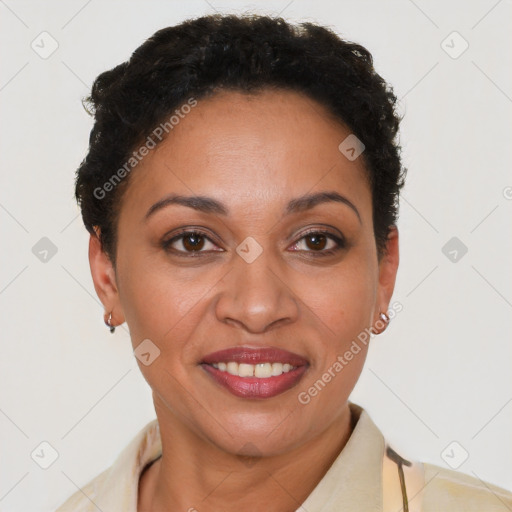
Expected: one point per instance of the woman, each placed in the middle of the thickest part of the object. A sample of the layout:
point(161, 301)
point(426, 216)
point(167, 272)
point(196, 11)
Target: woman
point(241, 191)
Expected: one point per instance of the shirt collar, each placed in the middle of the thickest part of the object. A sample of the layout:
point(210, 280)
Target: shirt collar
point(354, 478)
point(119, 490)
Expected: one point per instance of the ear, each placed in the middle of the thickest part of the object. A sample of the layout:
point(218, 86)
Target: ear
point(104, 278)
point(388, 267)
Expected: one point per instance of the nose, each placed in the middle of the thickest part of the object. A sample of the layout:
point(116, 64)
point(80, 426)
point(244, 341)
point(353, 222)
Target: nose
point(257, 296)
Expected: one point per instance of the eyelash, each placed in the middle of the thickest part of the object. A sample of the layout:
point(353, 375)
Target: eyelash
point(340, 243)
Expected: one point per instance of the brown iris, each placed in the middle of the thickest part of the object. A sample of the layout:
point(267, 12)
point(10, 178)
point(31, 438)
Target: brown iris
point(193, 242)
point(317, 241)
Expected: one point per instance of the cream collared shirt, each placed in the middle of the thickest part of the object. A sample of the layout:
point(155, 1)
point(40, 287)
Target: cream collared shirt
point(353, 483)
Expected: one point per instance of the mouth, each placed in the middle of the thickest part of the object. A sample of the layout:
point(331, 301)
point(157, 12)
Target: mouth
point(255, 373)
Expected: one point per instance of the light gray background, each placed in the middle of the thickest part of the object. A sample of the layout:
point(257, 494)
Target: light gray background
point(441, 373)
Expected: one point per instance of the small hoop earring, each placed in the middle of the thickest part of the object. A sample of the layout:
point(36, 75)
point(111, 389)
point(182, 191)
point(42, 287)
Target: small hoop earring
point(108, 323)
point(383, 317)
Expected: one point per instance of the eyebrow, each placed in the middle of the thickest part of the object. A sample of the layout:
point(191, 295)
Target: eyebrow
point(210, 205)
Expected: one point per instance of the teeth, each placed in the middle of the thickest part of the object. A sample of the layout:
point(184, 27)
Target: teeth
point(232, 368)
point(263, 370)
point(260, 370)
point(245, 370)
point(277, 368)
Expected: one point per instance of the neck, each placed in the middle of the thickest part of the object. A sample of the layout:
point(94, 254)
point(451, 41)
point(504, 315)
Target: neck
point(195, 475)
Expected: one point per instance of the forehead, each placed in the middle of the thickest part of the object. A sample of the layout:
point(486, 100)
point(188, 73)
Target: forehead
point(250, 150)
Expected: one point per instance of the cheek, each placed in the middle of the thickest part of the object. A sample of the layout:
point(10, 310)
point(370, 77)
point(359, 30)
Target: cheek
point(344, 298)
point(342, 305)
point(165, 308)
point(163, 302)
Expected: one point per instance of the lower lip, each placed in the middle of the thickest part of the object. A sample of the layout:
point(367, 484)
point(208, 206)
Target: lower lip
point(254, 387)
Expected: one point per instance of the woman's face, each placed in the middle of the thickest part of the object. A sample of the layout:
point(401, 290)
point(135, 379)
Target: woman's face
point(257, 274)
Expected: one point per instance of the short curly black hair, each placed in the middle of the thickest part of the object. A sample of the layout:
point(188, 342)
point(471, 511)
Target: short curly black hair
point(246, 53)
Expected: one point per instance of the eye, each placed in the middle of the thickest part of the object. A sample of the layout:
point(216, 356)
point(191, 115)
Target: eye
point(190, 242)
point(317, 241)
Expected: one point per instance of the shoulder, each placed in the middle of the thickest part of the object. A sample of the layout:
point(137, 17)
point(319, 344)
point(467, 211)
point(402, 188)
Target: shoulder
point(83, 500)
point(446, 489)
point(116, 488)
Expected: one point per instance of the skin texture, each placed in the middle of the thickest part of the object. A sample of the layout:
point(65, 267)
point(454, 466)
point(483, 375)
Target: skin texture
point(254, 154)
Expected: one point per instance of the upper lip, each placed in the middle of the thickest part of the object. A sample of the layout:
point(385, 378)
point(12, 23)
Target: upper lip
point(254, 356)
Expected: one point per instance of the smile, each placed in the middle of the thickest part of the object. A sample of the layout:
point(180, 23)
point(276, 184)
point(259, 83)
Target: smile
point(260, 370)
